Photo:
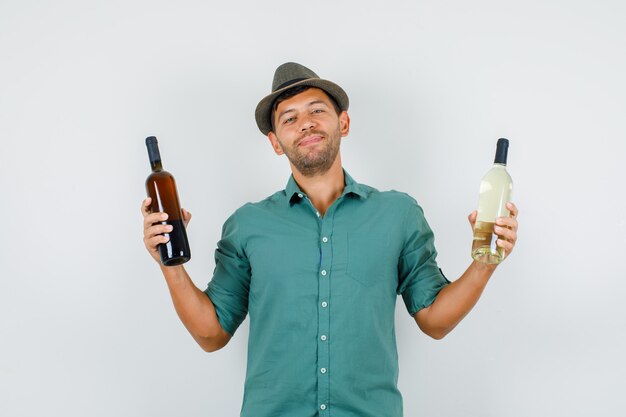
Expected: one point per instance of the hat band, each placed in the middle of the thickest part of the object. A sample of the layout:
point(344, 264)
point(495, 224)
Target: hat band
point(288, 83)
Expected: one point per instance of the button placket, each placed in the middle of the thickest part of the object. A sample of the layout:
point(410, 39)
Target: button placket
point(324, 286)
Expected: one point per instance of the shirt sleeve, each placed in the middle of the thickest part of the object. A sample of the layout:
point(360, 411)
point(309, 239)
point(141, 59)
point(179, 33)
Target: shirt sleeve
point(230, 285)
point(419, 277)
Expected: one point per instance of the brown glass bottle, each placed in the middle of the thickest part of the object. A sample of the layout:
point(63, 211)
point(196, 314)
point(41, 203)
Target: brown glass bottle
point(161, 188)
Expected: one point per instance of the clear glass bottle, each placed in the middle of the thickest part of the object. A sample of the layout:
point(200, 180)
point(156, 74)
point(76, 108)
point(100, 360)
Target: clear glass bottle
point(496, 188)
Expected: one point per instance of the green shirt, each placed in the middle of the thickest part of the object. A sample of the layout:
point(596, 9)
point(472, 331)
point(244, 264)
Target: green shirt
point(321, 293)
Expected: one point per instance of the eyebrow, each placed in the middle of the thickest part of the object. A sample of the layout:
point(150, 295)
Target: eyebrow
point(282, 113)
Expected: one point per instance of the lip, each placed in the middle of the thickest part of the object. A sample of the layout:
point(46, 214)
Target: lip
point(310, 140)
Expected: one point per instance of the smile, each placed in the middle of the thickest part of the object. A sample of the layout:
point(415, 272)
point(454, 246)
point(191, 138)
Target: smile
point(310, 140)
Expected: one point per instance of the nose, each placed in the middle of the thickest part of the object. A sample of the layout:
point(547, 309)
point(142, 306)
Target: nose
point(306, 123)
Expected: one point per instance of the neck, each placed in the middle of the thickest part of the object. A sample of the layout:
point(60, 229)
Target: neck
point(322, 189)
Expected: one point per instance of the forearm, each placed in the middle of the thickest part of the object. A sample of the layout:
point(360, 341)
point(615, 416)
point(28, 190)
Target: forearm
point(194, 308)
point(455, 301)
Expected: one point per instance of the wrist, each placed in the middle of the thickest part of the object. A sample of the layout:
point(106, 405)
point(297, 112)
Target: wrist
point(172, 273)
point(484, 269)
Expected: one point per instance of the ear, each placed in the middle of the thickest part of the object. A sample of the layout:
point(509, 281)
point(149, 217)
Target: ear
point(344, 123)
point(275, 144)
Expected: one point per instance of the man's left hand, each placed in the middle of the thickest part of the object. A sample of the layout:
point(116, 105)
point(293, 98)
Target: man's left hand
point(506, 228)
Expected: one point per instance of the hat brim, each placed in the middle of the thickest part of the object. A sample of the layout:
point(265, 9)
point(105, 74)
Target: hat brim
point(263, 112)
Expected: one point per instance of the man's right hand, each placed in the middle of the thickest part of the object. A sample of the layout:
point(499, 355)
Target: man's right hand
point(153, 229)
point(194, 307)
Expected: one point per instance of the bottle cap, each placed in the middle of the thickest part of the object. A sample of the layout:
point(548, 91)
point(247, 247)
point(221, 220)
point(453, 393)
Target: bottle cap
point(502, 150)
point(153, 150)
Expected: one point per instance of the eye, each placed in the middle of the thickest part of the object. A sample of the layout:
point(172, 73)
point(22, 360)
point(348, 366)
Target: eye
point(289, 120)
point(318, 111)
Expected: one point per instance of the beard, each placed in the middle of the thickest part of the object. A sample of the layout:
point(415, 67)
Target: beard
point(318, 159)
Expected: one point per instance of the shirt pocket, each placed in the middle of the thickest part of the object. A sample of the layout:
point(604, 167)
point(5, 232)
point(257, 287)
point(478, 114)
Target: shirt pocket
point(370, 258)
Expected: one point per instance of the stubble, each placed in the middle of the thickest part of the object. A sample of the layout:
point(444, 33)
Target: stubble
point(316, 160)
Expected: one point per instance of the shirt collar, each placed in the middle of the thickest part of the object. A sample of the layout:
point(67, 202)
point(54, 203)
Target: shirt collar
point(294, 193)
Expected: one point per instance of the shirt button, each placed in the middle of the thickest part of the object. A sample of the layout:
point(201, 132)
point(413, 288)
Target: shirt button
point(324, 239)
point(318, 213)
point(323, 337)
point(323, 407)
point(323, 370)
point(324, 304)
point(300, 195)
point(324, 272)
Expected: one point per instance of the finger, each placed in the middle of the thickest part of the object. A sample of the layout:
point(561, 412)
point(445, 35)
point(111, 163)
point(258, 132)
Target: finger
point(509, 222)
point(145, 204)
point(472, 217)
point(186, 215)
point(513, 210)
point(150, 219)
point(506, 245)
point(158, 229)
point(153, 218)
point(155, 241)
point(505, 233)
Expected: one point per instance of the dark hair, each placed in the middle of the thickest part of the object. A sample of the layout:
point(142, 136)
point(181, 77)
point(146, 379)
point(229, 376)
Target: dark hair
point(292, 92)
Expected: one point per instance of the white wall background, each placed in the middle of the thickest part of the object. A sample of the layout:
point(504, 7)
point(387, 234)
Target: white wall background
point(86, 323)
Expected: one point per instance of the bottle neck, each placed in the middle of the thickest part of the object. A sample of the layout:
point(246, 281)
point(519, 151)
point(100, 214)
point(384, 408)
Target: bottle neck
point(156, 166)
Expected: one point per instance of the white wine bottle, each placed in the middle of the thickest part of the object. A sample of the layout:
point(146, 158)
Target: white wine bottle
point(496, 188)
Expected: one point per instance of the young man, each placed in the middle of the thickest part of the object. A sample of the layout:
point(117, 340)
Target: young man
point(318, 267)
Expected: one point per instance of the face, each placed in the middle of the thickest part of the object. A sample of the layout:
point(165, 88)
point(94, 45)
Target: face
point(309, 131)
